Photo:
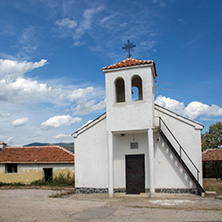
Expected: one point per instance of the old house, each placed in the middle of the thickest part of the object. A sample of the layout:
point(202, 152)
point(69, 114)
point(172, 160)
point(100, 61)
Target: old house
point(137, 146)
point(212, 163)
point(27, 164)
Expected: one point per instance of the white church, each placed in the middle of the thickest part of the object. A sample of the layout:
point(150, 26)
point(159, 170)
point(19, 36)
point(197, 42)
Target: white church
point(137, 146)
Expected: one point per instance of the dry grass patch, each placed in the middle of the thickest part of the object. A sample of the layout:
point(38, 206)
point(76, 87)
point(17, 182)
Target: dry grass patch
point(213, 185)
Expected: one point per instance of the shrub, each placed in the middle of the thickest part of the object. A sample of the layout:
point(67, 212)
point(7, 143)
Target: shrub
point(60, 180)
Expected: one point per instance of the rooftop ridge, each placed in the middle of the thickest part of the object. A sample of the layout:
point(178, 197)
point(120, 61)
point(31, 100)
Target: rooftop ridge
point(64, 149)
point(49, 153)
point(15, 147)
point(130, 62)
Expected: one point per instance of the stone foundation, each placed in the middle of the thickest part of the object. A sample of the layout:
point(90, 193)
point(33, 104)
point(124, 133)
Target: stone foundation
point(89, 190)
point(179, 190)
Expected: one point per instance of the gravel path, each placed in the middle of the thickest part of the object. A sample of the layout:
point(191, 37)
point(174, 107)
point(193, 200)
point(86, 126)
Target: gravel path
point(29, 205)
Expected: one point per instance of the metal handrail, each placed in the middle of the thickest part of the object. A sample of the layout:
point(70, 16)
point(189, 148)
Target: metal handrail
point(181, 148)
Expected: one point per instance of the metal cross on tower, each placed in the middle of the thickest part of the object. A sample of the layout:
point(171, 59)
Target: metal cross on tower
point(129, 47)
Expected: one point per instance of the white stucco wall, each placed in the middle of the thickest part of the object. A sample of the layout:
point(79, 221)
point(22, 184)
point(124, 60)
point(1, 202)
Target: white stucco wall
point(92, 154)
point(129, 115)
point(121, 149)
point(188, 133)
point(91, 157)
point(167, 170)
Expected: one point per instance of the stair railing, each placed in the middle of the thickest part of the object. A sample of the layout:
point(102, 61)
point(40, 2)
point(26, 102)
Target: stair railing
point(181, 149)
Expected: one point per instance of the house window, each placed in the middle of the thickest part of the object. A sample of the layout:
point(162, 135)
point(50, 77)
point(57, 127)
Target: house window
point(120, 90)
point(11, 168)
point(137, 89)
point(134, 145)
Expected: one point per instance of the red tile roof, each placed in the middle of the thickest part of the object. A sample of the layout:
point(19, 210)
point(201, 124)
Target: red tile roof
point(212, 155)
point(130, 62)
point(37, 154)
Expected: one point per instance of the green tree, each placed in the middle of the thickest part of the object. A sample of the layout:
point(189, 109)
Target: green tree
point(213, 138)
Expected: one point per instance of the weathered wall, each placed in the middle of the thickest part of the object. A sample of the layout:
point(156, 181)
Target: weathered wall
point(31, 172)
point(91, 157)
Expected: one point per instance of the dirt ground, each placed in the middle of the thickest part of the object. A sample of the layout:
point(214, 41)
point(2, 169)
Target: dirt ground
point(31, 205)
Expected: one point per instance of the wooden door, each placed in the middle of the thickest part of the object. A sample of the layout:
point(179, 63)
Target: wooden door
point(135, 175)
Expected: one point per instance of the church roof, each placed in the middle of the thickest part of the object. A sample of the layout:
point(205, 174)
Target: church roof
point(212, 155)
point(130, 62)
point(36, 154)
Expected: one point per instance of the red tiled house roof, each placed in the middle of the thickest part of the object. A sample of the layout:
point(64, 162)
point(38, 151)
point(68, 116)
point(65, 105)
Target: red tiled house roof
point(130, 62)
point(212, 155)
point(39, 154)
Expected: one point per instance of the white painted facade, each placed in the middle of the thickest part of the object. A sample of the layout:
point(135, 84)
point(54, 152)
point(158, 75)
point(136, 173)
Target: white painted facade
point(102, 146)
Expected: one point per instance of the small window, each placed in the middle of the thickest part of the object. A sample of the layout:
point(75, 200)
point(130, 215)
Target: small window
point(11, 168)
point(134, 145)
point(120, 90)
point(137, 89)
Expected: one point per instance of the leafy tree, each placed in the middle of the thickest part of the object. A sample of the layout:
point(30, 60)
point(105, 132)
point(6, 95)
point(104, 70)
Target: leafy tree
point(213, 138)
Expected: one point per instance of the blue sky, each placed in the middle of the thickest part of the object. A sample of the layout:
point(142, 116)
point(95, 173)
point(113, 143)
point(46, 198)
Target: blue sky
point(52, 52)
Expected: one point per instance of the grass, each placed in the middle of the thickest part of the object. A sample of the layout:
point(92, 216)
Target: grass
point(60, 180)
point(11, 184)
point(213, 185)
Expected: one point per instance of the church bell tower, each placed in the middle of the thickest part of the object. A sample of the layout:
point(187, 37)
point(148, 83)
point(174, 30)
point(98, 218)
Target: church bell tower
point(130, 95)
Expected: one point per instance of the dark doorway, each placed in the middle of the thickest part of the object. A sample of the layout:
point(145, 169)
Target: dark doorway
point(47, 174)
point(135, 175)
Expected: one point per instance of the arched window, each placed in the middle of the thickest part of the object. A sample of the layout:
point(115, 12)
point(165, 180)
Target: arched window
point(137, 88)
point(120, 90)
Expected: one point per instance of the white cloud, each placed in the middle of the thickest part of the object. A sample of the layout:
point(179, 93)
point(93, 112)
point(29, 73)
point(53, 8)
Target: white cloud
point(85, 24)
point(27, 42)
point(20, 122)
point(61, 136)
point(66, 22)
point(15, 69)
point(23, 89)
point(170, 104)
point(58, 121)
point(99, 106)
point(193, 110)
point(86, 107)
point(5, 114)
point(79, 93)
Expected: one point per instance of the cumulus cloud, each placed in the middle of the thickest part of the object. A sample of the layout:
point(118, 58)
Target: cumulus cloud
point(79, 93)
point(22, 89)
point(66, 22)
point(86, 107)
point(193, 110)
point(58, 121)
point(170, 104)
point(20, 122)
point(15, 69)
